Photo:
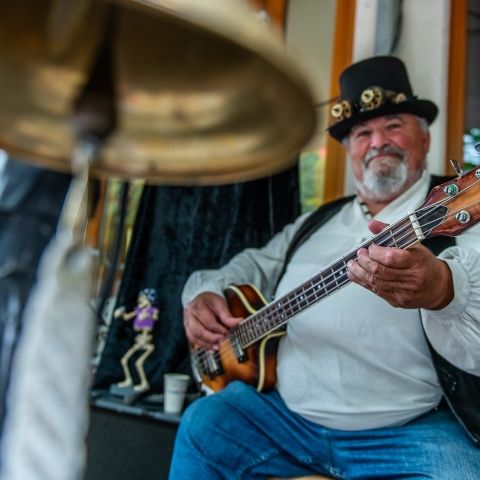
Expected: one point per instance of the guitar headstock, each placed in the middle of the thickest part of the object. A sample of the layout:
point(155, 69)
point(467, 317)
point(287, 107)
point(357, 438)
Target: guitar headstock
point(460, 201)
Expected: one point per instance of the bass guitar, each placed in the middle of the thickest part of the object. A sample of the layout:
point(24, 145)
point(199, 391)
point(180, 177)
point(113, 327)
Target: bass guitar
point(248, 353)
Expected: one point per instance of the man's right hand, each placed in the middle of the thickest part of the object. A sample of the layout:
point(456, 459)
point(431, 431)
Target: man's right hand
point(207, 320)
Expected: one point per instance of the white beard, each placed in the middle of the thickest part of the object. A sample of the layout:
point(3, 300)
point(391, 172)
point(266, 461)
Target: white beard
point(382, 184)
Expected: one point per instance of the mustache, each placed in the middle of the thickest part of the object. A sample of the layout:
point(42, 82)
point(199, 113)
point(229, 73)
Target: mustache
point(386, 150)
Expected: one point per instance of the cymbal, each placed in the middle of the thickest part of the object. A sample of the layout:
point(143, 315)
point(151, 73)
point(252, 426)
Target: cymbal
point(180, 91)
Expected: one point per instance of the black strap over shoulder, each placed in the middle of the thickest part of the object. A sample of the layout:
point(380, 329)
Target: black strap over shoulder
point(312, 223)
point(318, 218)
point(325, 212)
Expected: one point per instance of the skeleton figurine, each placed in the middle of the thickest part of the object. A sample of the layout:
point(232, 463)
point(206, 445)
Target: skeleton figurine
point(145, 315)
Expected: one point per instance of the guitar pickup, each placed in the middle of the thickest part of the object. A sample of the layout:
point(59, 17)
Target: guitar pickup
point(213, 363)
point(238, 350)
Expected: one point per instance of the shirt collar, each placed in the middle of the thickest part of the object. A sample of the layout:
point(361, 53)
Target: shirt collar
point(404, 204)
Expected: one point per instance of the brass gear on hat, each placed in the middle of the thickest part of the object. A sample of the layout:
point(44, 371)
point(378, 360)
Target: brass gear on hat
point(341, 110)
point(372, 97)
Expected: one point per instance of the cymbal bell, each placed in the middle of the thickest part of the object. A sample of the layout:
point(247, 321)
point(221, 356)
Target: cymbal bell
point(181, 91)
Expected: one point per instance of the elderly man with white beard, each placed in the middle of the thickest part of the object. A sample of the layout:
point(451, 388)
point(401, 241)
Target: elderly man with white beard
point(380, 379)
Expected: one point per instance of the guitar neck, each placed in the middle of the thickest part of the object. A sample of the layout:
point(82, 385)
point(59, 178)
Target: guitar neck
point(404, 233)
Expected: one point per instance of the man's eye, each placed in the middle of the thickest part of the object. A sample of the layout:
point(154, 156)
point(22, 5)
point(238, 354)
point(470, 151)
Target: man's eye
point(392, 126)
point(361, 133)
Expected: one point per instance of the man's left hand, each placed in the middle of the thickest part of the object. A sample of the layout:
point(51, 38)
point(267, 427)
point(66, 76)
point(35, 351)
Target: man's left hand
point(409, 278)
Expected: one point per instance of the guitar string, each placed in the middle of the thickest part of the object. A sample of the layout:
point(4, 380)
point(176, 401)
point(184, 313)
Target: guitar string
point(310, 292)
point(229, 350)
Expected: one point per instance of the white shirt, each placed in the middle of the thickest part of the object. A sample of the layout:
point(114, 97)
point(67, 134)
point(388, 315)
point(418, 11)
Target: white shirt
point(352, 361)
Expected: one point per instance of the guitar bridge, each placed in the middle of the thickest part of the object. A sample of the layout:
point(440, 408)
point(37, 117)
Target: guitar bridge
point(206, 363)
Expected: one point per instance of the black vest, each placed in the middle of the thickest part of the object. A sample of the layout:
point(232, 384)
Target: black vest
point(461, 389)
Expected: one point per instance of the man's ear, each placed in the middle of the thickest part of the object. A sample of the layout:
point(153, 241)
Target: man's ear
point(426, 142)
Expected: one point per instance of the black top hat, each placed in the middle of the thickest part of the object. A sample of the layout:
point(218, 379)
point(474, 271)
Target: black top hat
point(374, 87)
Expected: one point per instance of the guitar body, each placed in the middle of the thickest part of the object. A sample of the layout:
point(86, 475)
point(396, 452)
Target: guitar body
point(259, 366)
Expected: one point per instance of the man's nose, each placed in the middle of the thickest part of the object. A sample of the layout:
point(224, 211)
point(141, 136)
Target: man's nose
point(379, 139)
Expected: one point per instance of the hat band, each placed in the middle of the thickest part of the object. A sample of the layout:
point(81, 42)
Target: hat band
point(370, 99)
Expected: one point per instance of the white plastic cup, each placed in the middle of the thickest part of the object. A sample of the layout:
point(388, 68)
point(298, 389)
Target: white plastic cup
point(174, 391)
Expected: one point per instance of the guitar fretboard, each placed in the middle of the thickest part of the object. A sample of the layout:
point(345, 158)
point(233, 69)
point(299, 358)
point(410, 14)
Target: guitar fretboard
point(402, 234)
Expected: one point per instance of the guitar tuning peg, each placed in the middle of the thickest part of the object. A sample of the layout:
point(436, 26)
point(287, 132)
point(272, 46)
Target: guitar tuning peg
point(456, 166)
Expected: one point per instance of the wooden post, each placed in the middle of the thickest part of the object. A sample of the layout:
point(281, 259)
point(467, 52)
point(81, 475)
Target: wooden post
point(342, 57)
point(456, 83)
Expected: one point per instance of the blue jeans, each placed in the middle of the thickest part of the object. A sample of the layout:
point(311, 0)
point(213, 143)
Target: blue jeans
point(239, 433)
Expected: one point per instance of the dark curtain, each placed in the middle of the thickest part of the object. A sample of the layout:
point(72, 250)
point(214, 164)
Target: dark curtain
point(179, 230)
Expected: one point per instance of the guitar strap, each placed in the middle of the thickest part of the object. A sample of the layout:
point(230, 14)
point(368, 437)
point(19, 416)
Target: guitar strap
point(461, 389)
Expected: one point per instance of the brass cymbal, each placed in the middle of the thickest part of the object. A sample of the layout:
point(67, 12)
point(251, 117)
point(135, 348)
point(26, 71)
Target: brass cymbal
point(181, 91)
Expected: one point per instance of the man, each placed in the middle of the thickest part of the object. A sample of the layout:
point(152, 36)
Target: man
point(360, 375)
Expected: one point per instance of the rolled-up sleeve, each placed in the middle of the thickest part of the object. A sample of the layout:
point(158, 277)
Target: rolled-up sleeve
point(260, 267)
point(454, 331)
